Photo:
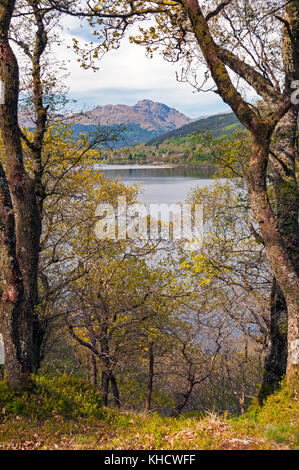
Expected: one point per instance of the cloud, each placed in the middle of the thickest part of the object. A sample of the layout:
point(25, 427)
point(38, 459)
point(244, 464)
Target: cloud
point(126, 75)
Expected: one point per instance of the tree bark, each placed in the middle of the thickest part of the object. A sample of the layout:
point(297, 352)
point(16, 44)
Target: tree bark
point(280, 259)
point(115, 391)
point(277, 351)
point(283, 175)
point(94, 370)
point(108, 366)
point(12, 294)
point(105, 388)
point(287, 189)
point(183, 398)
point(150, 377)
point(27, 224)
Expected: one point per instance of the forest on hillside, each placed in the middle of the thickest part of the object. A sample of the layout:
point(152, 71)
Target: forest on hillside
point(178, 342)
point(189, 145)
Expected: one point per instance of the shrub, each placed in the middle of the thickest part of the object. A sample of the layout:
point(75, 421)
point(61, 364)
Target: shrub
point(65, 396)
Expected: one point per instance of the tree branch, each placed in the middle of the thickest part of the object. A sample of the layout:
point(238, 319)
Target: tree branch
point(262, 85)
point(217, 10)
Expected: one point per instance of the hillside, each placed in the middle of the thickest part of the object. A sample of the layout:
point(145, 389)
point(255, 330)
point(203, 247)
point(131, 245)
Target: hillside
point(66, 414)
point(178, 147)
point(131, 135)
point(217, 125)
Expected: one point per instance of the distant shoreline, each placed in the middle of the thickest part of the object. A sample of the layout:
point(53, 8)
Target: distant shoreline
point(159, 165)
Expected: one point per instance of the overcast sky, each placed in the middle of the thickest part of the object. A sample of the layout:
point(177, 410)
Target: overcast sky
point(127, 76)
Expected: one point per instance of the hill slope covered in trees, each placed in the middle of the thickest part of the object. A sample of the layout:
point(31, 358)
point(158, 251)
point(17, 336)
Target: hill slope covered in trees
point(182, 146)
point(217, 125)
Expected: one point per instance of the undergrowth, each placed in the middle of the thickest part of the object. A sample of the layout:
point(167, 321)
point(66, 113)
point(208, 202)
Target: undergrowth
point(66, 396)
point(67, 413)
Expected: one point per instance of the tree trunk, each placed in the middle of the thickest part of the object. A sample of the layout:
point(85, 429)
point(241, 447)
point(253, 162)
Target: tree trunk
point(12, 294)
point(114, 388)
point(40, 328)
point(150, 377)
point(183, 398)
point(17, 310)
point(94, 370)
point(277, 352)
point(36, 146)
point(287, 133)
point(278, 255)
point(105, 388)
point(283, 174)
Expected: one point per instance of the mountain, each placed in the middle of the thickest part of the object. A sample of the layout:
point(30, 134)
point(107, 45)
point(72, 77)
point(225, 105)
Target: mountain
point(146, 122)
point(217, 125)
point(143, 121)
point(154, 117)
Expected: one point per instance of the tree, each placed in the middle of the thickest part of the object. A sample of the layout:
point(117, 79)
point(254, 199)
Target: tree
point(20, 223)
point(70, 179)
point(175, 23)
point(118, 304)
point(29, 24)
point(261, 130)
point(263, 40)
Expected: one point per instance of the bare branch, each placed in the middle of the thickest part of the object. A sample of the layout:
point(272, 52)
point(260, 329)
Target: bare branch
point(220, 7)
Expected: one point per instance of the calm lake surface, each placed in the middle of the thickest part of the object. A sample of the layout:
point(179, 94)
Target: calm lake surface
point(160, 184)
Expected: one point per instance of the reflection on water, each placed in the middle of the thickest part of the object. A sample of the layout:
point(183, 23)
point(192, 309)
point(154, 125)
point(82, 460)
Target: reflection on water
point(161, 184)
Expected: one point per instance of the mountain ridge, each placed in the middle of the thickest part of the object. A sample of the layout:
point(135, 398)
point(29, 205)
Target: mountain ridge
point(146, 122)
point(150, 115)
point(143, 121)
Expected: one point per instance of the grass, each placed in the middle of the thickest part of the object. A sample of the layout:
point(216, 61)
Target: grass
point(277, 420)
point(69, 416)
point(230, 127)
